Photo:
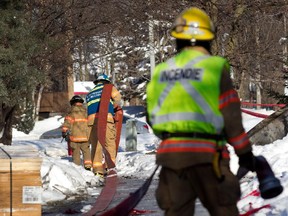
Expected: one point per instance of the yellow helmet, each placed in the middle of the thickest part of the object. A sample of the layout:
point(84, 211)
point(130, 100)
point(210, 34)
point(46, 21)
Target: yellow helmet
point(193, 24)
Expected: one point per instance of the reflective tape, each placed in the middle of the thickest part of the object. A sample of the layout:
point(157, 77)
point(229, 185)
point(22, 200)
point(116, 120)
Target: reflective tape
point(183, 78)
point(186, 146)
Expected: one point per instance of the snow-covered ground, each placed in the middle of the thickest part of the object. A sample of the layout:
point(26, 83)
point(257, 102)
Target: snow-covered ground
point(62, 179)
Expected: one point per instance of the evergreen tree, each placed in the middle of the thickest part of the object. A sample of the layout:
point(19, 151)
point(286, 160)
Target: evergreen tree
point(20, 45)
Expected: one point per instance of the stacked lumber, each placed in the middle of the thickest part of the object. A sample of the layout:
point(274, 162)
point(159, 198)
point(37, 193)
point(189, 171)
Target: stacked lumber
point(20, 181)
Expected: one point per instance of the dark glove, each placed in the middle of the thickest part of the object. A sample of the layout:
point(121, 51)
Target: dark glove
point(117, 108)
point(247, 161)
point(64, 134)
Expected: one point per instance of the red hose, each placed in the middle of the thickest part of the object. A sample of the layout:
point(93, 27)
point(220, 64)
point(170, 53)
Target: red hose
point(259, 115)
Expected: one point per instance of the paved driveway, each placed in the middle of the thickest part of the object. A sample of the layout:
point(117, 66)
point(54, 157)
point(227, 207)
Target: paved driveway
point(148, 203)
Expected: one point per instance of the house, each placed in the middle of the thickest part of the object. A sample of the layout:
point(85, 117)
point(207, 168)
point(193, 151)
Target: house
point(56, 101)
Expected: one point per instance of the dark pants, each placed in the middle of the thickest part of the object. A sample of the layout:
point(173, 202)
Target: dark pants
point(178, 190)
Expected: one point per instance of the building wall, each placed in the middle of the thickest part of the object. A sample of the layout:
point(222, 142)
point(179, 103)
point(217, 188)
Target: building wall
point(57, 101)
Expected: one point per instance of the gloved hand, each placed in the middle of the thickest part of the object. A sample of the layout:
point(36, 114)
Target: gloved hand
point(117, 108)
point(247, 161)
point(64, 134)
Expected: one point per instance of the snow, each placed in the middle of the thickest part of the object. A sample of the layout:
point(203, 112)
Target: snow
point(62, 179)
point(83, 87)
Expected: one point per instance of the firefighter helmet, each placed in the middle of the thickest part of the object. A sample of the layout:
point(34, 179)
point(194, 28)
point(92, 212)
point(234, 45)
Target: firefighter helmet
point(103, 77)
point(75, 99)
point(193, 24)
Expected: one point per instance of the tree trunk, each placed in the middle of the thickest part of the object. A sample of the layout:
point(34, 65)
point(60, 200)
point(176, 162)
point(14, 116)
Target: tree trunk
point(258, 66)
point(6, 124)
point(38, 102)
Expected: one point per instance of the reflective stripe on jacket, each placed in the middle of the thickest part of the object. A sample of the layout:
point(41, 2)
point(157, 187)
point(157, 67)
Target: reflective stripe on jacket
point(76, 123)
point(183, 95)
point(93, 101)
point(193, 92)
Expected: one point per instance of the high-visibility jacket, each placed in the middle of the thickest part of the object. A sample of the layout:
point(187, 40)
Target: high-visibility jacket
point(93, 102)
point(76, 123)
point(184, 96)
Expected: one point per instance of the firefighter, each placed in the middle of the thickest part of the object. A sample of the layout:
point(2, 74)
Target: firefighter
point(93, 100)
point(75, 126)
point(193, 108)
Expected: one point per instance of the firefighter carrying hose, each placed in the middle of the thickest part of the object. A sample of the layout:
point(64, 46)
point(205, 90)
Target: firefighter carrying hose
point(193, 108)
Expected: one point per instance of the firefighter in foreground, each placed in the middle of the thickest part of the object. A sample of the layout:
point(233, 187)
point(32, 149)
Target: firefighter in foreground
point(93, 101)
point(75, 130)
point(194, 109)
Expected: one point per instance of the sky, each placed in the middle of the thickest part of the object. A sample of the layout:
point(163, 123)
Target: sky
point(62, 179)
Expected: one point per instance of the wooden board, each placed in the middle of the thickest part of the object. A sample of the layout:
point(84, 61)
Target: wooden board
point(20, 181)
point(270, 129)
